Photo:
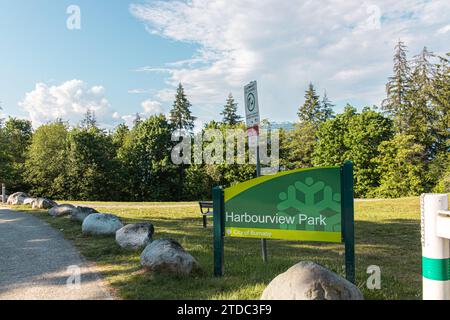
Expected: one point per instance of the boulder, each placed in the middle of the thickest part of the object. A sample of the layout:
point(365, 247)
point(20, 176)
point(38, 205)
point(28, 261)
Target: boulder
point(135, 236)
point(42, 203)
point(101, 224)
point(310, 281)
point(29, 201)
point(17, 198)
point(62, 210)
point(81, 213)
point(168, 256)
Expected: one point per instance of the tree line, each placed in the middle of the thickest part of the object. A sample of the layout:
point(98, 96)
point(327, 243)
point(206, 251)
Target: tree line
point(400, 150)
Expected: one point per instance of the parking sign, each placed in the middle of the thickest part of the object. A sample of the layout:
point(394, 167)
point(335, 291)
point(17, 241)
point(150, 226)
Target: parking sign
point(251, 104)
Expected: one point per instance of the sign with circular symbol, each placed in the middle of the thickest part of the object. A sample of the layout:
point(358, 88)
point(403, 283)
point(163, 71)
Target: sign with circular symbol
point(251, 102)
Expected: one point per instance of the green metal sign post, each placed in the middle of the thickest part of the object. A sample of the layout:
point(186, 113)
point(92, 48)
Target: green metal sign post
point(348, 219)
point(218, 209)
point(313, 204)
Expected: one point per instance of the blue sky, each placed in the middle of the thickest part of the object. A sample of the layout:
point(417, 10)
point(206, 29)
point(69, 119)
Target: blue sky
point(129, 55)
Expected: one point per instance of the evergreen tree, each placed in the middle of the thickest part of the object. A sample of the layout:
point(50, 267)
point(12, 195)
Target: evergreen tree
point(89, 121)
point(396, 103)
point(180, 115)
point(440, 98)
point(439, 167)
point(326, 108)
point(137, 119)
point(297, 146)
point(310, 111)
point(421, 114)
point(229, 113)
point(312, 114)
point(182, 120)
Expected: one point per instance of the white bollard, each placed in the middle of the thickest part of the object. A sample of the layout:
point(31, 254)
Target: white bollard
point(435, 249)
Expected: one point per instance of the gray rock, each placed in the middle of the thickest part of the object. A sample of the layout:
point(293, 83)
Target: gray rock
point(29, 201)
point(168, 256)
point(81, 213)
point(309, 281)
point(42, 203)
point(62, 210)
point(17, 198)
point(101, 224)
point(135, 236)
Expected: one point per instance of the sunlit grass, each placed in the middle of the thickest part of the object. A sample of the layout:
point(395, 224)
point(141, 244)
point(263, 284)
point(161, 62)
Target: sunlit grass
point(387, 235)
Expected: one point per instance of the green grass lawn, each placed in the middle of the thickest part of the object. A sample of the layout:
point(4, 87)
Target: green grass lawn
point(387, 235)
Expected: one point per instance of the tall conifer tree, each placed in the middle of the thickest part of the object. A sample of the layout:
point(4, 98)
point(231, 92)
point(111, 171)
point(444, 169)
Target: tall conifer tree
point(229, 112)
point(180, 115)
point(396, 103)
point(310, 110)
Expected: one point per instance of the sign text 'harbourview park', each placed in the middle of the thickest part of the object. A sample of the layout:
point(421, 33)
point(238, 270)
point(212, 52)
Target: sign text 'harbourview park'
point(313, 204)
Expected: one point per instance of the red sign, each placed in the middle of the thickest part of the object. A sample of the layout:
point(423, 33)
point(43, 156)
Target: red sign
point(253, 131)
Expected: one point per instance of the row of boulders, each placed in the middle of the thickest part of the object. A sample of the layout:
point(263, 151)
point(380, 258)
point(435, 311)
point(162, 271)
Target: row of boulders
point(76, 213)
point(135, 236)
point(168, 256)
point(21, 198)
point(42, 203)
point(101, 224)
point(162, 255)
point(17, 198)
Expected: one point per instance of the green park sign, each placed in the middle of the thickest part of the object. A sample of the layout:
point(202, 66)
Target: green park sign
point(313, 204)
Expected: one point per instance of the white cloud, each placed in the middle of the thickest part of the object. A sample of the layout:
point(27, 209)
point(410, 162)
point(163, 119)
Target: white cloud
point(69, 101)
point(166, 95)
point(444, 29)
point(151, 107)
point(129, 120)
point(97, 90)
point(344, 46)
point(137, 91)
point(116, 115)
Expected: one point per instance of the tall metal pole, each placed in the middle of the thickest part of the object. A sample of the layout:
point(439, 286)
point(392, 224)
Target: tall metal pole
point(258, 174)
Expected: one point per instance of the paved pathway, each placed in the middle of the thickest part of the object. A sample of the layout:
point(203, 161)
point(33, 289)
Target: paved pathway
point(36, 262)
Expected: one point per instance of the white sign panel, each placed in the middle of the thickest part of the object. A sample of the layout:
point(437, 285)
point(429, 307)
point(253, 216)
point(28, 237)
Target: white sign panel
point(251, 104)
